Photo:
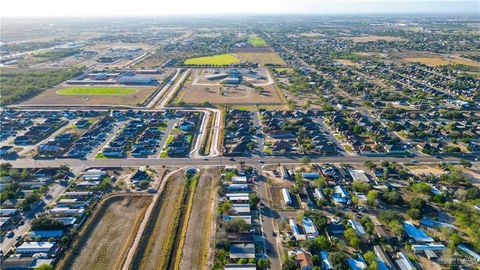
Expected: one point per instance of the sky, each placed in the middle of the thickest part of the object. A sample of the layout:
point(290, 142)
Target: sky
point(85, 8)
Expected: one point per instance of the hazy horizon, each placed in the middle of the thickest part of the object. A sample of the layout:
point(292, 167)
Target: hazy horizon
point(145, 8)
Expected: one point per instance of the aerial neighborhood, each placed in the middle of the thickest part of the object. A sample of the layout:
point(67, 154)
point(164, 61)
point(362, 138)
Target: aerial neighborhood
point(241, 143)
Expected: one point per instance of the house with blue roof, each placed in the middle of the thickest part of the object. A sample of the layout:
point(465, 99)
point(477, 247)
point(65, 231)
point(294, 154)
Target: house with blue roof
point(326, 264)
point(43, 234)
point(415, 234)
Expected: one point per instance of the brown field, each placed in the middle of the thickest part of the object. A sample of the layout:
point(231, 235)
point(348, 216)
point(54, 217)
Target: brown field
point(419, 170)
point(196, 246)
point(279, 203)
point(108, 238)
point(50, 97)
point(441, 61)
point(154, 60)
point(252, 50)
point(152, 255)
point(222, 94)
point(347, 62)
point(376, 38)
point(262, 58)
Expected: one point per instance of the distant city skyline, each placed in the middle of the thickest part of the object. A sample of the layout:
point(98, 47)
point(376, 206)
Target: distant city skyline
point(61, 8)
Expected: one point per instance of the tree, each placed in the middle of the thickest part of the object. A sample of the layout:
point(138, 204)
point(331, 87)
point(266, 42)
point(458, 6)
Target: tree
point(361, 186)
point(355, 242)
point(323, 242)
point(254, 200)
point(311, 245)
point(64, 241)
point(465, 163)
point(105, 184)
point(24, 173)
point(417, 203)
point(225, 207)
point(320, 182)
point(242, 261)
point(414, 213)
point(372, 196)
point(318, 218)
point(29, 200)
point(339, 260)
point(305, 160)
point(421, 187)
point(392, 197)
point(263, 264)
point(236, 225)
point(352, 237)
point(369, 164)
point(370, 257)
point(5, 169)
point(290, 264)
point(45, 223)
point(396, 227)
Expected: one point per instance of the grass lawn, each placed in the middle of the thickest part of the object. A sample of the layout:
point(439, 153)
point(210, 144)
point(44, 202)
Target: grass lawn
point(96, 91)
point(100, 156)
point(257, 41)
point(216, 60)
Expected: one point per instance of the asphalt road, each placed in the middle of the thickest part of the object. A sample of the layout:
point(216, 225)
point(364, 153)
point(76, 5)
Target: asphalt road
point(215, 161)
point(268, 217)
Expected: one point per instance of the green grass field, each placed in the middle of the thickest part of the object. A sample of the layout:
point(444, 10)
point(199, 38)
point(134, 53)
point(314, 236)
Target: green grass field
point(216, 60)
point(96, 91)
point(257, 41)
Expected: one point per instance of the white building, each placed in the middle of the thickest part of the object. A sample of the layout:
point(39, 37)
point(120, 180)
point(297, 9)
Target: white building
point(286, 196)
point(310, 229)
point(35, 247)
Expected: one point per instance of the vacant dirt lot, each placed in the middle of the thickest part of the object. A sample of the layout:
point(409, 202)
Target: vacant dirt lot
point(202, 217)
point(108, 238)
point(50, 97)
point(153, 254)
point(223, 94)
point(347, 62)
point(441, 61)
point(262, 58)
point(425, 170)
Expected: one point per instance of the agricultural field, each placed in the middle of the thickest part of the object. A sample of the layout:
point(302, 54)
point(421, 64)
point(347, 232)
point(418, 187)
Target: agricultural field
point(214, 60)
point(96, 91)
point(441, 61)
point(99, 252)
point(257, 41)
point(195, 249)
point(160, 234)
point(92, 96)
